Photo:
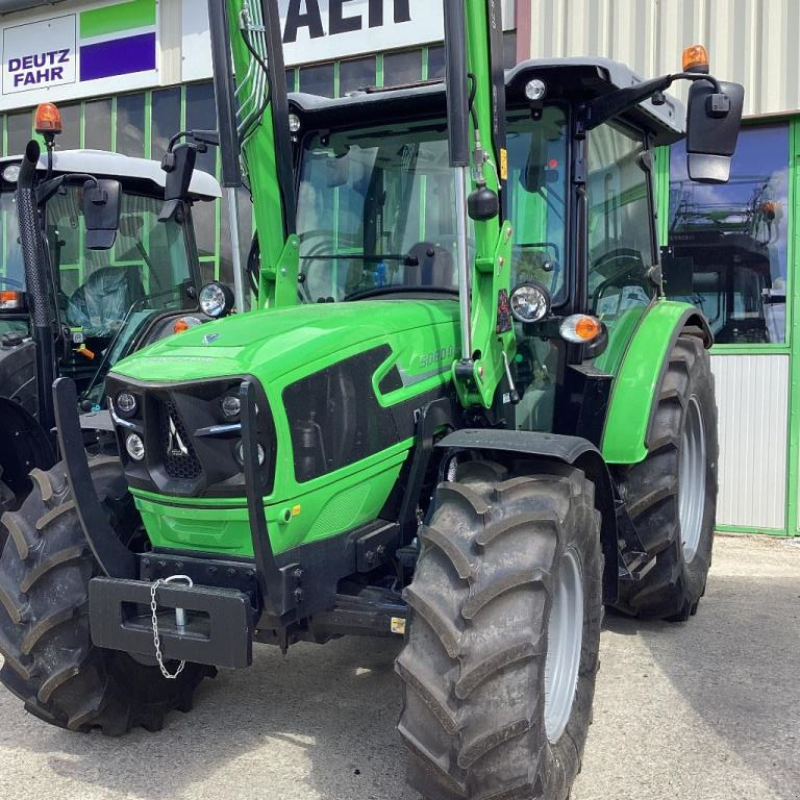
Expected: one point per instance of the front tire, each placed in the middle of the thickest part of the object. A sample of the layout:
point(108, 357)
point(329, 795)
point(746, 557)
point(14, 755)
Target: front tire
point(494, 706)
point(50, 662)
point(671, 496)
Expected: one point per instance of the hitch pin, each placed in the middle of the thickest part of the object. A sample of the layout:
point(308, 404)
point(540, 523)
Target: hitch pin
point(180, 613)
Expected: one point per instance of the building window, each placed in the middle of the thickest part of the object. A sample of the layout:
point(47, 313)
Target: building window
point(435, 62)
point(18, 130)
point(165, 120)
point(70, 136)
point(356, 74)
point(317, 80)
point(729, 241)
point(400, 68)
point(130, 125)
point(97, 125)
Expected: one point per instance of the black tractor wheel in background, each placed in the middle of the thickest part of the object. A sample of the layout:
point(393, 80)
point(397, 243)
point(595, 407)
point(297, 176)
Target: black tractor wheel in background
point(501, 655)
point(50, 662)
point(671, 496)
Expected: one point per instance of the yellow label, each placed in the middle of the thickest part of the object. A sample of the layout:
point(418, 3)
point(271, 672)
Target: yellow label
point(398, 625)
point(504, 164)
point(295, 510)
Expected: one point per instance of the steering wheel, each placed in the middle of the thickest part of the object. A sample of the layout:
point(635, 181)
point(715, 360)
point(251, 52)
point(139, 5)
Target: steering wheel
point(631, 260)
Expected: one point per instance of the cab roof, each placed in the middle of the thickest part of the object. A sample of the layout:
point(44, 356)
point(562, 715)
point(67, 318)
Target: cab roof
point(114, 165)
point(575, 79)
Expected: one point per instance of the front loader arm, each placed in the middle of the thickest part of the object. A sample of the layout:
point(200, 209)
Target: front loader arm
point(488, 341)
point(254, 131)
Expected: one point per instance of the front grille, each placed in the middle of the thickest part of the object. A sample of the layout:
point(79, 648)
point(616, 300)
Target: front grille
point(180, 460)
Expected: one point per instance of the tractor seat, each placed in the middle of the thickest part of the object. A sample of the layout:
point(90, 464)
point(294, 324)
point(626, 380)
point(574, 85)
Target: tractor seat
point(100, 304)
point(435, 266)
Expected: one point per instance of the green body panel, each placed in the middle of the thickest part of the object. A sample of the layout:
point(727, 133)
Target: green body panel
point(279, 347)
point(635, 387)
point(354, 498)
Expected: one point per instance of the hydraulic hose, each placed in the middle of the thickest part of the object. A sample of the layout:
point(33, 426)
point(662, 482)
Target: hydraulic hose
point(36, 266)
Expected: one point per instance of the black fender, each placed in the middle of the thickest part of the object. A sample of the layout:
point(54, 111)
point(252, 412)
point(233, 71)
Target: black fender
point(573, 451)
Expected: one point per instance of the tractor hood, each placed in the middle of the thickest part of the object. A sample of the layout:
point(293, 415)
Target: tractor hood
point(269, 344)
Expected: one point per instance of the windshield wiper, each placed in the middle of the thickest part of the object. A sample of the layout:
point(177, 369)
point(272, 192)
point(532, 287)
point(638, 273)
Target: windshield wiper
point(408, 261)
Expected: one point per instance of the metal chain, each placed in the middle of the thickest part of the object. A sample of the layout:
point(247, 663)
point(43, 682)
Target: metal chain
point(156, 638)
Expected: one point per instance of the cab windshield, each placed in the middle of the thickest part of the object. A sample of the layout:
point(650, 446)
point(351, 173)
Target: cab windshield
point(376, 208)
point(376, 212)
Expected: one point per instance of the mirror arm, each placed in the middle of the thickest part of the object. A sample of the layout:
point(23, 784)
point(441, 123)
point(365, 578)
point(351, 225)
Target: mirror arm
point(603, 109)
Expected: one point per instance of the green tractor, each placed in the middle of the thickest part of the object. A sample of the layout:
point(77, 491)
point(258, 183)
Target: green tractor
point(100, 281)
point(460, 412)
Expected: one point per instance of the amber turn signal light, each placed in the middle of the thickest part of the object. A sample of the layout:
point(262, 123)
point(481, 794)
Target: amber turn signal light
point(48, 119)
point(695, 58)
point(580, 328)
point(10, 301)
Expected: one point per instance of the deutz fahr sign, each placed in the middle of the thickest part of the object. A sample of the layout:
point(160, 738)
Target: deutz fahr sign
point(318, 30)
point(39, 54)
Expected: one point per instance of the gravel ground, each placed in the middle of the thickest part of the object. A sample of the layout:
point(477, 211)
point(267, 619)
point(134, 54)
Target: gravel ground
point(709, 710)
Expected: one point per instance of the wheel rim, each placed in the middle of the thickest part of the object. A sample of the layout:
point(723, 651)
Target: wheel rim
point(565, 638)
point(692, 480)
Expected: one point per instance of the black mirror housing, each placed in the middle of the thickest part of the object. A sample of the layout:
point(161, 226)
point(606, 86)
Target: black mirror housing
point(101, 210)
point(179, 166)
point(712, 129)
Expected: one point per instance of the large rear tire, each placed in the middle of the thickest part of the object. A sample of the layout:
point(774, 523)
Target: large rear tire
point(502, 651)
point(671, 496)
point(50, 661)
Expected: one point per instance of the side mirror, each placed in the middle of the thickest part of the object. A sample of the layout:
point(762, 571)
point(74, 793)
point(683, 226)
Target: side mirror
point(179, 166)
point(712, 128)
point(101, 208)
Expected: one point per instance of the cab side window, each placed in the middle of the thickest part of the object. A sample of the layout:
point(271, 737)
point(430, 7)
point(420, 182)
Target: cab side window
point(620, 239)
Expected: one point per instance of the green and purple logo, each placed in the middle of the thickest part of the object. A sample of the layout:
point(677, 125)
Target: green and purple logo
point(117, 40)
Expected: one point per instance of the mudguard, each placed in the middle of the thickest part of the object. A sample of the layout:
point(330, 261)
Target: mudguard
point(635, 389)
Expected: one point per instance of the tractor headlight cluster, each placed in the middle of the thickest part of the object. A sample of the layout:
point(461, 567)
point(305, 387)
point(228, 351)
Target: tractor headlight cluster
point(126, 404)
point(530, 302)
point(216, 300)
point(262, 454)
point(231, 406)
point(535, 89)
point(135, 446)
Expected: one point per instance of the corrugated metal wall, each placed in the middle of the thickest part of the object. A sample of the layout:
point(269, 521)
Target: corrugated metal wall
point(752, 394)
point(754, 42)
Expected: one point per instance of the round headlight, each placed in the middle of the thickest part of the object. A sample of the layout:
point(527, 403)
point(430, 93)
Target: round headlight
point(216, 300)
point(11, 173)
point(231, 406)
point(535, 89)
point(530, 302)
point(580, 328)
point(135, 446)
point(294, 123)
point(262, 454)
point(126, 404)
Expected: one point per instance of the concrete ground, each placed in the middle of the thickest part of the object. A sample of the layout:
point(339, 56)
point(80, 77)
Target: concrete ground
point(709, 710)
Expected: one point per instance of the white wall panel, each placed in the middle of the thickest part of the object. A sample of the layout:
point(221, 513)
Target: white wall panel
point(752, 397)
point(755, 42)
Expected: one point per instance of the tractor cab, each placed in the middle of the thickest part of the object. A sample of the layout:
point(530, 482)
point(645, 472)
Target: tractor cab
point(105, 299)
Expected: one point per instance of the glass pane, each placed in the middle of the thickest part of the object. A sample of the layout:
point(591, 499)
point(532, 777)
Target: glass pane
point(201, 113)
point(435, 62)
point(401, 68)
point(166, 120)
point(317, 80)
point(245, 234)
point(509, 49)
point(205, 225)
point(70, 136)
point(97, 125)
point(130, 125)
point(537, 163)
point(730, 240)
point(290, 80)
point(19, 129)
point(356, 74)
point(376, 209)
